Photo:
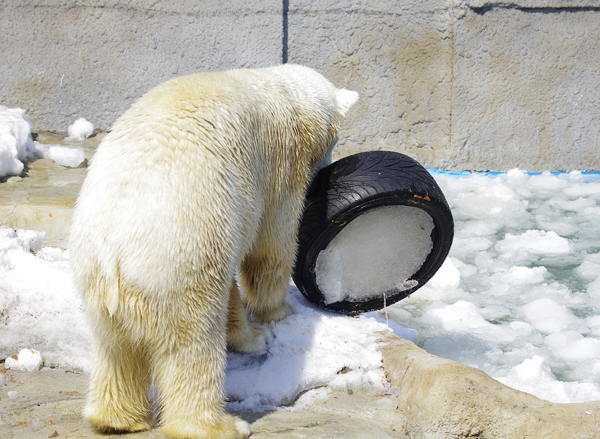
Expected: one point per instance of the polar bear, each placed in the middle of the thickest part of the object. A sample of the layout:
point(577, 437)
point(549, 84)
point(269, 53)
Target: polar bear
point(201, 179)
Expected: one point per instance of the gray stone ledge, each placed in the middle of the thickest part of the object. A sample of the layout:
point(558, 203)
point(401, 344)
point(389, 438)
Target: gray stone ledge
point(442, 399)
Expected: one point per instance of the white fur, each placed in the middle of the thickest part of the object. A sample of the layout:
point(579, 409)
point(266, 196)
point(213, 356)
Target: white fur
point(204, 176)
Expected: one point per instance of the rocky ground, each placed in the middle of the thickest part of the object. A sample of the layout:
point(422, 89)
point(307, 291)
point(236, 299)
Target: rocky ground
point(52, 400)
point(429, 397)
point(43, 197)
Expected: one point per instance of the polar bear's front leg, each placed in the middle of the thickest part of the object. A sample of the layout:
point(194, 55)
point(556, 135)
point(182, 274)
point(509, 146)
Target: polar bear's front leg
point(242, 335)
point(265, 272)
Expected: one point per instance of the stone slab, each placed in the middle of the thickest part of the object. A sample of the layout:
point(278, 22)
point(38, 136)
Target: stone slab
point(429, 398)
point(441, 399)
point(52, 401)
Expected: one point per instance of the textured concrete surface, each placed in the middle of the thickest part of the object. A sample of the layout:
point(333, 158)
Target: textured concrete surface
point(429, 398)
point(62, 60)
point(51, 402)
point(526, 88)
point(456, 84)
point(397, 55)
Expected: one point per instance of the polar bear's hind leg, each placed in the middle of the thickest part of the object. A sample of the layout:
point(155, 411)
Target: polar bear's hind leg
point(118, 394)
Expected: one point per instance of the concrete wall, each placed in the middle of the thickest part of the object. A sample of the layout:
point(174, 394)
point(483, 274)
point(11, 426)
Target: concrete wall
point(455, 84)
point(527, 86)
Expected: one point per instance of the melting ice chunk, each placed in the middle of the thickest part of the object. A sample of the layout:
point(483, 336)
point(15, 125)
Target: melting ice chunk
point(65, 156)
point(377, 252)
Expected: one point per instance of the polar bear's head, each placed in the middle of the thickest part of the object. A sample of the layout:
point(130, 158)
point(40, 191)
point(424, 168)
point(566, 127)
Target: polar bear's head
point(320, 107)
point(345, 100)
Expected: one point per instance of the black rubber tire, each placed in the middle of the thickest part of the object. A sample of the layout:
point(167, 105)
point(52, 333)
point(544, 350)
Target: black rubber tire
point(352, 186)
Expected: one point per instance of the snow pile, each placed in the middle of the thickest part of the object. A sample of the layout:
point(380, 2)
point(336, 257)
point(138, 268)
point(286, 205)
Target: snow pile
point(28, 360)
point(374, 254)
point(519, 295)
point(66, 156)
point(17, 146)
point(80, 129)
point(311, 349)
point(39, 307)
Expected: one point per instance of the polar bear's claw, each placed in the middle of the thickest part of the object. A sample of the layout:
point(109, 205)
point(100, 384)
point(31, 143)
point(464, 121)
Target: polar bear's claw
point(256, 338)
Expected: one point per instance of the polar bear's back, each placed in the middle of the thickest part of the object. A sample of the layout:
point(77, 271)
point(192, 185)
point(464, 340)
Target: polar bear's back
point(186, 174)
point(165, 181)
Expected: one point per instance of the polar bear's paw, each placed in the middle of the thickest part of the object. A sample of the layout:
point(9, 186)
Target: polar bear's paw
point(242, 428)
point(116, 423)
point(274, 314)
point(229, 428)
point(254, 338)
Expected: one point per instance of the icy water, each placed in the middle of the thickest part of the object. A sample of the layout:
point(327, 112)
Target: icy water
point(519, 295)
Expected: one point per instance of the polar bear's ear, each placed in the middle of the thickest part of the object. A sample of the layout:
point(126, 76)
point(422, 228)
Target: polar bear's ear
point(345, 100)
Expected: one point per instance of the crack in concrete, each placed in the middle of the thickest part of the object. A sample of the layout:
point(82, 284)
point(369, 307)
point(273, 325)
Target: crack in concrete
point(284, 43)
point(482, 10)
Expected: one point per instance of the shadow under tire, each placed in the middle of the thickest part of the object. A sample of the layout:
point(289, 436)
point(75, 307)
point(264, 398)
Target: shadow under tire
point(353, 186)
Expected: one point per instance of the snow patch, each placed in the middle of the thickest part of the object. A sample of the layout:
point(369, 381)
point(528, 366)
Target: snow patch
point(80, 129)
point(27, 360)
